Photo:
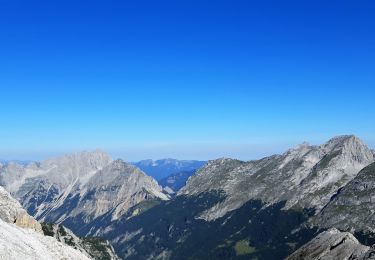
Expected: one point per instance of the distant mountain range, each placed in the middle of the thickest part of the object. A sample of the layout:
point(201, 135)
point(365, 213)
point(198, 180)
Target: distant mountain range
point(176, 181)
point(279, 206)
point(163, 168)
point(22, 162)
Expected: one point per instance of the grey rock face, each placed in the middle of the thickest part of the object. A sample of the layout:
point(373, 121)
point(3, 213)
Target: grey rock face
point(84, 185)
point(352, 208)
point(333, 244)
point(115, 189)
point(20, 243)
point(21, 236)
point(62, 173)
point(306, 176)
point(11, 211)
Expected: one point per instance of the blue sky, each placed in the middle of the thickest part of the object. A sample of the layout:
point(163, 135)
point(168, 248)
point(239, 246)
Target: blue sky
point(183, 79)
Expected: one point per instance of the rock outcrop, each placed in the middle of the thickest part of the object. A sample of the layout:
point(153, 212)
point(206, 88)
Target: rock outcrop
point(333, 244)
point(20, 243)
point(352, 208)
point(21, 236)
point(95, 248)
point(11, 211)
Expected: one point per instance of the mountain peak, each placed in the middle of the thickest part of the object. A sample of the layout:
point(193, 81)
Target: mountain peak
point(341, 139)
point(94, 154)
point(298, 150)
point(119, 163)
point(81, 161)
point(222, 160)
point(351, 147)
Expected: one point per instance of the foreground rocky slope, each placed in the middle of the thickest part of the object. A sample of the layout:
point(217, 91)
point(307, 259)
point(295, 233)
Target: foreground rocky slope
point(333, 244)
point(12, 212)
point(95, 248)
point(21, 236)
point(19, 243)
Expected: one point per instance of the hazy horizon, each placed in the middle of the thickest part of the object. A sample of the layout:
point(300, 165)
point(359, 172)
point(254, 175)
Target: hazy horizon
point(243, 152)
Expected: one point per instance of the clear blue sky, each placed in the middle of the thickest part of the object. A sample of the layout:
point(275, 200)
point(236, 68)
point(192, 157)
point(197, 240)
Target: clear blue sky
point(184, 79)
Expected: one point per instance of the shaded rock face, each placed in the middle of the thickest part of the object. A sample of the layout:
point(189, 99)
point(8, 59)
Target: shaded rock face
point(306, 176)
point(333, 244)
point(11, 211)
point(353, 207)
point(170, 230)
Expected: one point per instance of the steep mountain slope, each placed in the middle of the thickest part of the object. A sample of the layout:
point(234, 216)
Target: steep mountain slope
point(76, 189)
point(306, 176)
point(21, 236)
point(39, 185)
point(352, 208)
point(116, 188)
point(333, 244)
point(171, 230)
point(12, 212)
point(160, 169)
point(93, 247)
point(18, 243)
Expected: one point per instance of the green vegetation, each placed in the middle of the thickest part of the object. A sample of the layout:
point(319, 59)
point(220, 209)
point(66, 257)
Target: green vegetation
point(242, 247)
point(48, 229)
point(62, 230)
point(69, 241)
point(97, 248)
